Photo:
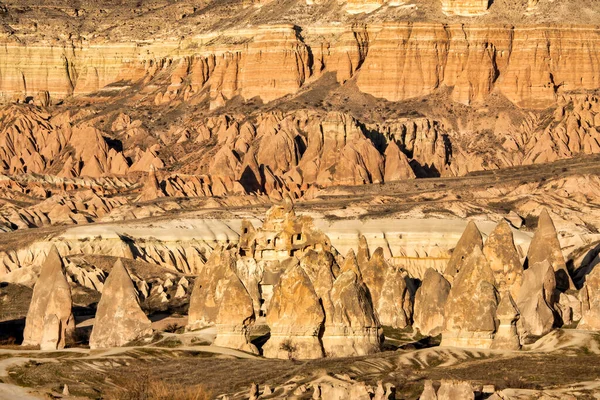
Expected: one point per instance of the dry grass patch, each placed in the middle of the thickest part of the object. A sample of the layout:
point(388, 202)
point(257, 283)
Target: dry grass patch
point(145, 388)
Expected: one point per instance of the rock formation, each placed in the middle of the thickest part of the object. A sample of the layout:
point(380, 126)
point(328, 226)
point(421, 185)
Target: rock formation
point(353, 328)
point(470, 239)
point(535, 301)
point(295, 318)
point(465, 7)
point(506, 336)
point(208, 291)
point(470, 310)
point(546, 247)
point(50, 321)
point(395, 306)
point(590, 299)
point(235, 317)
point(151, 188)
point(448, 390)
point(319, 267)
point(397, 166)
point(503, 259)
point(387, 286)
point(119, 317)
point(430, 301)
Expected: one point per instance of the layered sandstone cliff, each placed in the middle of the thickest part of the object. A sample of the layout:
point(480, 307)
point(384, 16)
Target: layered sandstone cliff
point(530, 65)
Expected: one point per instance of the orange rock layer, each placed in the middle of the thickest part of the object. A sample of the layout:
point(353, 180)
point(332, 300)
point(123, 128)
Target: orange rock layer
point(530, 65)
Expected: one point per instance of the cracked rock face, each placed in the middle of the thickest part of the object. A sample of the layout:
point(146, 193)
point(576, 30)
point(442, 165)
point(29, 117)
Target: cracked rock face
point(503, 259)
point(119, 317)
point(235, 318)
point(353, 328)
point(209, 289)
point(470, 310)
point(470, 239)
point(507, 314)
point(546, 247)
point(50, 319)
point(430, 301)
point(535, 301)
point(590, 298)
point(295, 317)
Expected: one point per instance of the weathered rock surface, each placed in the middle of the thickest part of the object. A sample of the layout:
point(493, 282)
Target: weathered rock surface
point(535, 301)
point(503, 259)
point(546, 247)
point(506, 336)
point(465, 7)
point(468, 242)
point(470, 310)
point(450, 390)
point(387, 286)
point(590, 299)
point(353, 328)
point(119, 317)
point(235, 317)
point(50, 320)
point(395, 305)
point(208, 291)
point(430, 301)
point(295, 317)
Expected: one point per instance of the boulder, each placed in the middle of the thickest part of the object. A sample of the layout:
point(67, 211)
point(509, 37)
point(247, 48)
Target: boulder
point(50, 321)
point(506, 336)
point(546, 247)
point(535, 301)
point(295, 317)
point(430, 301)
point(470, 239)
point(470, 311)
point(503, 258)
point(353, 328)
point(590, 299)
point(236, 317)
point(119, 317)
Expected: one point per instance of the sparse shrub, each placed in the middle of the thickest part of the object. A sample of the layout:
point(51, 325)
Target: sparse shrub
point(146, 388)
point(173, 327)
point(287, 346)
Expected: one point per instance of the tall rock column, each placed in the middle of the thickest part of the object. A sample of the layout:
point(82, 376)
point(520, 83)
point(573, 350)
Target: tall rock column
point(590, 299)
point(546, 247)
point(470, 239)
point(119, 317)
point(503, 259)
point(507, 337)
point(236, 316)
point(208, 288)
point(50, 318)
point(430, 301)
point(470, 311)
point(295, 317)
point(353, 329)
point(535, 302)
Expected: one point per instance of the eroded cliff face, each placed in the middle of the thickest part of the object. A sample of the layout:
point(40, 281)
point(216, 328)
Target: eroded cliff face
point(530, 65)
